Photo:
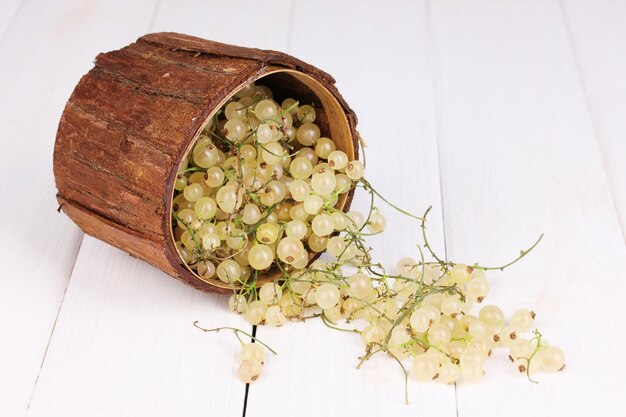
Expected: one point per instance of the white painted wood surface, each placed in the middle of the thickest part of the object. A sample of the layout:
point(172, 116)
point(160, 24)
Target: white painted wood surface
point(8, 9)
point(516, 128)
point(125, 345)
point(518, 138)
point(597, 37)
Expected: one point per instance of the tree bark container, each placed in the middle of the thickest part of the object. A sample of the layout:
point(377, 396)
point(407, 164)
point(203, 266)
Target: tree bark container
point(133, 118)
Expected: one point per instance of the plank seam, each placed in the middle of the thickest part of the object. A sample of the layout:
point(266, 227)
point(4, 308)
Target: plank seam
point(594, 124)
point(245, 398)
point(82, 238)
point(56, 318)
point(435, 66)
point(155, 13)
point(292, 11)
point(11, 22)
point(292, 7)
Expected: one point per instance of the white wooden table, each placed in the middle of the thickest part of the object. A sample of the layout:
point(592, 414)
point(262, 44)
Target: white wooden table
point(514, 124)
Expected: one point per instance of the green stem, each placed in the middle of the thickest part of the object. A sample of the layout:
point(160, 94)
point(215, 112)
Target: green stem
point(538, 346)
point(368, 186)
point(521, 255)
point(417, 299)
point(236, 331)
point(426, 243)
point(327, 322)
point(192, 169)
point(190, 231)
point(406, 377)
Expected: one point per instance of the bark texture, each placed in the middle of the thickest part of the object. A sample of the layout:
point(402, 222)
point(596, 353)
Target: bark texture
point(130, 121)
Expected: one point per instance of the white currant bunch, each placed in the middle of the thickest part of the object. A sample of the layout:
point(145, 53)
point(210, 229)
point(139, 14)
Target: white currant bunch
point(252, 356)
point(259, 193)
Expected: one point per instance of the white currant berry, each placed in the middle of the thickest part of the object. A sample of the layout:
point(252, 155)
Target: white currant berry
point(449, 373)
point(492, 316)
point(270, 293)
point(425, 367)
point(237, 303)
point(253, 351)
point(372, 334)
point(274, 316)
point(260, 257)
point(255, 313)
point(360, 285)
point(327, 296)
point(249, 371)
point(376, 223)
point(552, 358)
point(522, 320)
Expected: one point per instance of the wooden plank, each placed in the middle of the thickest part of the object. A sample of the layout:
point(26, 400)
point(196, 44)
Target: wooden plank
point(44, 52)
point(380, 76)
point(124, 343)
point(597, 32)
point(519, 157)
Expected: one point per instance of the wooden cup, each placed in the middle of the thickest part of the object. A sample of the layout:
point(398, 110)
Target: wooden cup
point(135, 116)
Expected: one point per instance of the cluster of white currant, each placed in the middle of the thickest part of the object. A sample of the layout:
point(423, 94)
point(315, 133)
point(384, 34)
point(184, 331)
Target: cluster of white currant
point(423, 312)
point(258, 193)
point(259, 190)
